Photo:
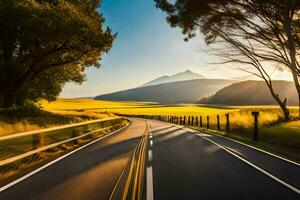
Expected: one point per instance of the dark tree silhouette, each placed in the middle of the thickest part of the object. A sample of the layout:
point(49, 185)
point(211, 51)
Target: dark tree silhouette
point(255, 33)
point(45, 43)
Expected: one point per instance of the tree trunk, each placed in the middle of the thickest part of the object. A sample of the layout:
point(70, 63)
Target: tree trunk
point(282, 105)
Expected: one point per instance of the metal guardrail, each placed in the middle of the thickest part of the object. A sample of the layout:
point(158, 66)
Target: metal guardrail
point(7, 137)
point(39, 148)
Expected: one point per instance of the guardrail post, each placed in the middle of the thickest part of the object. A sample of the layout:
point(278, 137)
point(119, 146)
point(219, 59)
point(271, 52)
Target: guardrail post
point(255, 131)
point(192, 124)
point(207, 122)
point(201, 124)
point(189, 120)
point(184, 119)
point(227, 123)
point(75, 134)
point(197, 121)
point(218, 122)
point(37, 141)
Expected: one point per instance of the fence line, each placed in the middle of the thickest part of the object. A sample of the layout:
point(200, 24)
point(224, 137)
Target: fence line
point(36, 141)
point(40, 131)
point(193, 121)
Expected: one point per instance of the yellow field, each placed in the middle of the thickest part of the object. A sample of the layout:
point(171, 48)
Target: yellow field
point(240, 116)
point(282, 138)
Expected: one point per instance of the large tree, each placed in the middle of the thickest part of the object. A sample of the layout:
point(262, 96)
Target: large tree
point(45, 43)
point(256, 33)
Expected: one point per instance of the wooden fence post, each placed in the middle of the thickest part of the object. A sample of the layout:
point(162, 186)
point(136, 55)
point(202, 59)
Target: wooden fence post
point(75, 134)
point(37, 141)
point(192, 124)
point(184, 119)
point(227, 123)
point(207, 122)
point(201, 124)
point(255, 131)
point(218, 122)
point(197, 121)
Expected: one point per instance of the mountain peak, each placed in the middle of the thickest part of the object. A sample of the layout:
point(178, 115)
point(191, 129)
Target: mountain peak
point(182, 76)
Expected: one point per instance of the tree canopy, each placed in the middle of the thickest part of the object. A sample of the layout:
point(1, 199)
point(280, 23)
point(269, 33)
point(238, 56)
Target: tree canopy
point(46, 43)
point(254, 33)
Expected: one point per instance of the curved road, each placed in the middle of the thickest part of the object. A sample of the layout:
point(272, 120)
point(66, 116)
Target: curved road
point(187, 164)
point(181, 164)
point(90, 173)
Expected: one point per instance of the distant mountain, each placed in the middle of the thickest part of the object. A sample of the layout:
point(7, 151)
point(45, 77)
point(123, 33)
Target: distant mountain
point(183, 76)
point(253, 93)
point(170, 93)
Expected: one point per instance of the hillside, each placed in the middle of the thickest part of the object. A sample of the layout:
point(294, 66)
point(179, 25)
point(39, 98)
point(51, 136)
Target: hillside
point(176, 92)
point(253, 93)
point(183, 76)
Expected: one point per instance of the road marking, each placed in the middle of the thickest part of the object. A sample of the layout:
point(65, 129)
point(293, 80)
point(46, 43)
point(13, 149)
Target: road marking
point(56, 160)
point(258, 149)
point(151, 143)
point(150, 136)
point(150, 156)
point(117, 183)
point(256, 167)
point(149, 187)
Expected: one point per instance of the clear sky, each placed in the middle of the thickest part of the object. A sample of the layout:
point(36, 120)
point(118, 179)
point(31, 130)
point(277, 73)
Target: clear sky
point(146, 48)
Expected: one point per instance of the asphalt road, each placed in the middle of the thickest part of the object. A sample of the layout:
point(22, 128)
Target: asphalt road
point(88, 174)
point(187, 166)
point(181, 164)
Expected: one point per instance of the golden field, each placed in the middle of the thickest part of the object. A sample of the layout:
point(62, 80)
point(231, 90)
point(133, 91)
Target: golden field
point(239, 115)
point(66, 111)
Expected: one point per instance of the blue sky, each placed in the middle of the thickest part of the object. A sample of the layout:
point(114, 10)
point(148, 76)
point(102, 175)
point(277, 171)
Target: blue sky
point(146, 47)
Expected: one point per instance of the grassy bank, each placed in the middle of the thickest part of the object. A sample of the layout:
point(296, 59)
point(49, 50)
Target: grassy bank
point(33, 119)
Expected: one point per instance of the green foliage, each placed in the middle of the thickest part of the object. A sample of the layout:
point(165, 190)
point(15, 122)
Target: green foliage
point(45, 43)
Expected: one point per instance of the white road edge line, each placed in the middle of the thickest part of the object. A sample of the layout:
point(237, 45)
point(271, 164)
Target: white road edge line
point(55, 161)
point(256, 167)
point(151, 143)
point(149, 190)
point(258, 149)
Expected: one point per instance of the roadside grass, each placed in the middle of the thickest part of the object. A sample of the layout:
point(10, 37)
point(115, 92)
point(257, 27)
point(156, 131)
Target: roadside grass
point(33, 119)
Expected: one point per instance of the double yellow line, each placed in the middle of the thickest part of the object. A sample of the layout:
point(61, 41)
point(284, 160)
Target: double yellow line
point(134, 183)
